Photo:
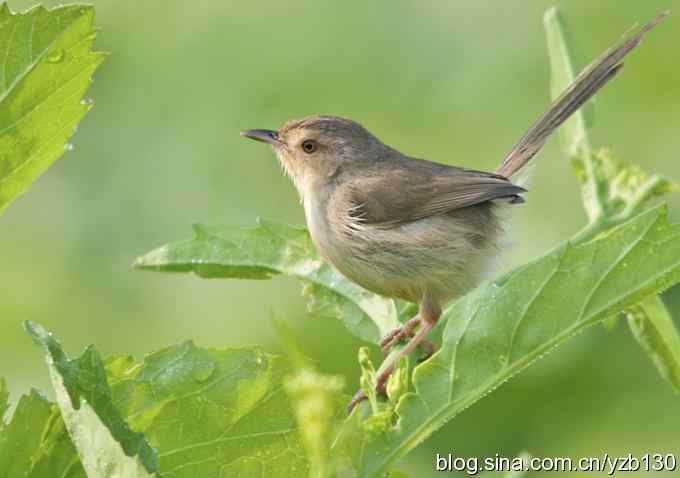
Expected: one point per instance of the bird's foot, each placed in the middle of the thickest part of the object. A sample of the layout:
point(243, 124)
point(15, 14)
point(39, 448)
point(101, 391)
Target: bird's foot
point(358, 397)
point(406, 332)
point(398, 335)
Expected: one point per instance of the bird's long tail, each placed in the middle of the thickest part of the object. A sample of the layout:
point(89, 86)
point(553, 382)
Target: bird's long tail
point(588, 82)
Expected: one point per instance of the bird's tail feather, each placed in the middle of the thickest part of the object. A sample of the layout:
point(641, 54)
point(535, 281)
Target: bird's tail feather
point(588, 82)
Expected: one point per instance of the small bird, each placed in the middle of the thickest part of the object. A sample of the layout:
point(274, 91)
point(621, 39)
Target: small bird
point(409, 228)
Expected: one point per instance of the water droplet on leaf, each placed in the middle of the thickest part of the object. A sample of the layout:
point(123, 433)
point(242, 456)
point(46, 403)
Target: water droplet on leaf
point(203, 371)
point(86, 101)
point(68, 147)
point(55, 56)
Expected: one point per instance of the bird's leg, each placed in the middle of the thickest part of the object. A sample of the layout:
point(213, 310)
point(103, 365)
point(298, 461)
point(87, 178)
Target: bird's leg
point(427, 323)
point(397, 335)
point(402, 333)
point(428, 315)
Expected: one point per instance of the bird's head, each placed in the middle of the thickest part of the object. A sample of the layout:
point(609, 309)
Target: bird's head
point(314, 151)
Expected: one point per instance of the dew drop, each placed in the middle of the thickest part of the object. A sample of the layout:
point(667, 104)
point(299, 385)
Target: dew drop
point(68, 147)
point(40, 393)
point(203, 371)
point(86, 101)
point(55, 56)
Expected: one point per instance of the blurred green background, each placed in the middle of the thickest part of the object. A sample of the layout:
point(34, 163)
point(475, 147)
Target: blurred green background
point(455, 82)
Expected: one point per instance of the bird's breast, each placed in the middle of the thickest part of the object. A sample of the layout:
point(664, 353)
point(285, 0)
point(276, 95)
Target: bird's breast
point(318, 224)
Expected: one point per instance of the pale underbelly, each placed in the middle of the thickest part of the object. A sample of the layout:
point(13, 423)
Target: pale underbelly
point(441, 256)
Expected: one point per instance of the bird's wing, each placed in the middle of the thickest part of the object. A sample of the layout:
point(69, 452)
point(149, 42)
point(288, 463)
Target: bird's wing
point(419, 190)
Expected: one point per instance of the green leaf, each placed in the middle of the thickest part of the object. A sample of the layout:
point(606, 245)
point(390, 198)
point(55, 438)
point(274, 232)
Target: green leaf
point(34, 444)
point(47, 66)
point(4, 400)
point(207, 412)
point(105, 443)
point(613, 191)
point(20, 438)
point(573, 132)
point(628, 187)
point(56, 455)
point(653, 328)
point(211, 412)
point(273, 248)
point(502, 327)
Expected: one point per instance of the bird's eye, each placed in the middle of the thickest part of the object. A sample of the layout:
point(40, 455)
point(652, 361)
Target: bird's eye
point(309, 146)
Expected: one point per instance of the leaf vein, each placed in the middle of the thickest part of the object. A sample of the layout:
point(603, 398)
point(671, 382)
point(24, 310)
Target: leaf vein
point(611, 268)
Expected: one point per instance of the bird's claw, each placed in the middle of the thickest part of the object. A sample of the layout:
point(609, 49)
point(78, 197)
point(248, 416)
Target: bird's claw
point(398, 335)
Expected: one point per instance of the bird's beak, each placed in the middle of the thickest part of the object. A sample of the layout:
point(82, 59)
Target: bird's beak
point(264, 135)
